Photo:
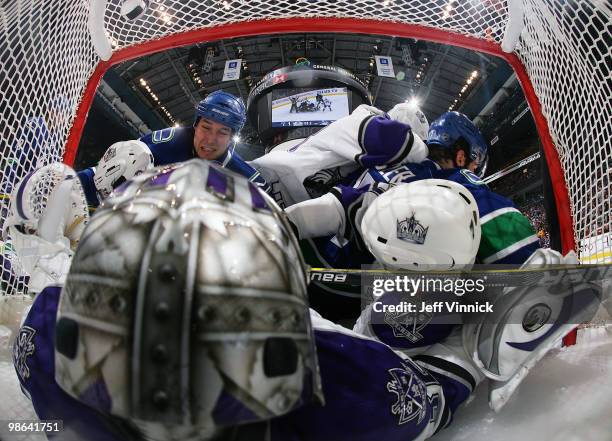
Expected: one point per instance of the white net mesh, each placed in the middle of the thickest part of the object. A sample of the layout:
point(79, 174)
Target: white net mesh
point(47, 59)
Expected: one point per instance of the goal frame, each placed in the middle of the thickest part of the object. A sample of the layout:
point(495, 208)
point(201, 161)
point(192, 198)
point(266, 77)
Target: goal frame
point(345, 26)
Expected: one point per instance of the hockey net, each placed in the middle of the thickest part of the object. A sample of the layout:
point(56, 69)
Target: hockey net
point(54, 52)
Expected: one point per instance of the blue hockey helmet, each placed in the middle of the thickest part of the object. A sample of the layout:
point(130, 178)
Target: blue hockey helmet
point(223, 108)
point(454, 127)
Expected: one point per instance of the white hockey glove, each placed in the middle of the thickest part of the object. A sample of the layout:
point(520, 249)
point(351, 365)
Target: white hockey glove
point(48, 213)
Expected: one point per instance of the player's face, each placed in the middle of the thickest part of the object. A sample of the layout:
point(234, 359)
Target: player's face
point(211, 139)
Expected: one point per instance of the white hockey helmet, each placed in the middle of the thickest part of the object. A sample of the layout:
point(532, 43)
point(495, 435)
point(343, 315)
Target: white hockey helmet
point(185, 308)
point(122, 161)
point(433, 222)
point(49, 203)
point(409, 113)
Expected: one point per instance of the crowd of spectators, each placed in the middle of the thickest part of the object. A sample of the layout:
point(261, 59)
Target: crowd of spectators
point(517, 180)
point(533, 208)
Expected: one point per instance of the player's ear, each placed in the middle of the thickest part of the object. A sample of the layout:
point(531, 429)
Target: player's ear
point(460, 158)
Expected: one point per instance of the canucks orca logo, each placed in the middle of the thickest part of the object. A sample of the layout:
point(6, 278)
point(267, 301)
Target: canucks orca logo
point(162, 135)
point(407, 325)
point(22, 349)
point(411, 394)
point(471, 177)
point(411, 230)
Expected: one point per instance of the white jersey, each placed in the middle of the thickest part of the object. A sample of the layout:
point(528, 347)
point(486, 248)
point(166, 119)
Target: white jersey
point(368, 137)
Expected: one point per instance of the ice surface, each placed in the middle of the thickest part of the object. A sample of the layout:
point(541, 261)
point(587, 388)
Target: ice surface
point(567, 397)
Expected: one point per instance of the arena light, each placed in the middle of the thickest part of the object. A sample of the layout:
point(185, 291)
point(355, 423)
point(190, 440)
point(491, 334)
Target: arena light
point(166, 18)
point(236, 138)
point(413, 102)
point(156, 100)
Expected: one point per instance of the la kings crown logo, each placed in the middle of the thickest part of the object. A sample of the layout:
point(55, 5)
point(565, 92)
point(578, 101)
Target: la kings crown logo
point(411, 394)
point(408, 324)
point(22, 349)
point(411, 230)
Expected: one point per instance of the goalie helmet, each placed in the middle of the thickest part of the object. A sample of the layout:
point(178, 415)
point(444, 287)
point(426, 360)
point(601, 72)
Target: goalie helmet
point(122, 161)
point(413, 116)
point(194, 314)
point(49, 203)
point(454, 128)
point(421, 224)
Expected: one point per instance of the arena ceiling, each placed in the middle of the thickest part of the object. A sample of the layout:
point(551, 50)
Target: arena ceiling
point(434, 74)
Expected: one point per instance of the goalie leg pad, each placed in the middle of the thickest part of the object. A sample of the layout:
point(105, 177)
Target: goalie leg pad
point(525, 325)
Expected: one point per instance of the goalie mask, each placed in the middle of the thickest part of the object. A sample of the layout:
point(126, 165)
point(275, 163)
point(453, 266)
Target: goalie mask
point(185, 309)
point(122, 161)
point(423, 223)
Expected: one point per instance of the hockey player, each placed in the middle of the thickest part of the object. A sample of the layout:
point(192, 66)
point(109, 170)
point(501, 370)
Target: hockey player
point(218, 118)
point(456, 149)
point(185, 317)
point(166, 328)
point(457, 152)
point(368, 137)
point(294, 102)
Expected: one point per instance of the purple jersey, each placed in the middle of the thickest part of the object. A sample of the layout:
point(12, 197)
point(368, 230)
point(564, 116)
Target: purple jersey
point(370, 390)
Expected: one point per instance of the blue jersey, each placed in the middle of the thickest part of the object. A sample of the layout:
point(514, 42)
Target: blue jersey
point(507, 235)
point(86, 177)
point(171, 145)
point(370, 390)
point(175, 144)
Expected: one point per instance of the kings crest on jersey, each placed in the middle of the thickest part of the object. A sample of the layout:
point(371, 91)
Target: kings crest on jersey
point(369, 388)
point(23, 348)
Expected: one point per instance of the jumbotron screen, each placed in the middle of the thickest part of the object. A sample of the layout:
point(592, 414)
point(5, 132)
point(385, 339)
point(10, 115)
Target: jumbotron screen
point(308, 106)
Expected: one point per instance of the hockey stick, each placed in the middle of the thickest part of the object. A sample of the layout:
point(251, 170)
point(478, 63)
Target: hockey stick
point(507, 277)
